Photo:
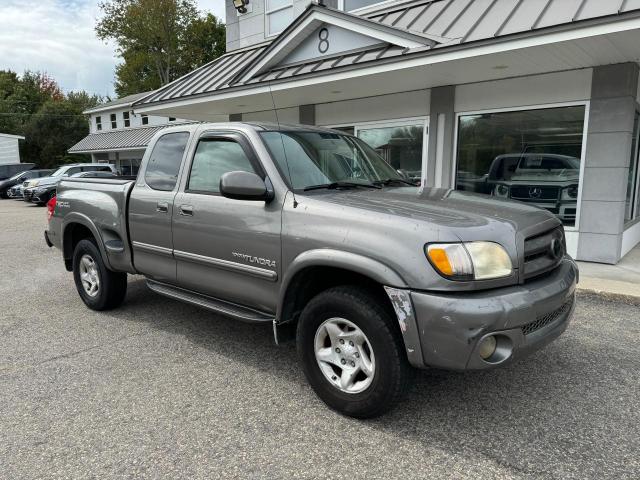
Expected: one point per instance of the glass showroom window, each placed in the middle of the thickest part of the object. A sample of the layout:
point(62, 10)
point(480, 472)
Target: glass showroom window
point(278, 15)
point(532, 156)
point(400, 144)
point(631, 206)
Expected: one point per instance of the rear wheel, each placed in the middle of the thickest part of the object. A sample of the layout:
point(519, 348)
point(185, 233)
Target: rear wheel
point(99, 288)
point(352, 353)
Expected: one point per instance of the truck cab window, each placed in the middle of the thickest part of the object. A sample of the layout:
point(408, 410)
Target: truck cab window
point(164, 163)
point(212, 159)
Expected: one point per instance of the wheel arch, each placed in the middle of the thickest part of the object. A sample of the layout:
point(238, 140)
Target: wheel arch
point(77, 227)
point(315, 271)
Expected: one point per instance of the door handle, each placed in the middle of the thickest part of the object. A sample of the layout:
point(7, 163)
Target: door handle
point(186, 210)
point(162, 207)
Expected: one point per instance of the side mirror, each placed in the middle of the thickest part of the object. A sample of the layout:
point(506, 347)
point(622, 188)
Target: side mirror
point(245, 186)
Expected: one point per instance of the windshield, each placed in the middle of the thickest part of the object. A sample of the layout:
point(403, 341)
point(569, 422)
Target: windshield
point(318, 158)
point(16, 176)
point(58, 172)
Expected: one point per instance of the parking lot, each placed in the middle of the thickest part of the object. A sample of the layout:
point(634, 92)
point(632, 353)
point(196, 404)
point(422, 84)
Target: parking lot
point(162, 389)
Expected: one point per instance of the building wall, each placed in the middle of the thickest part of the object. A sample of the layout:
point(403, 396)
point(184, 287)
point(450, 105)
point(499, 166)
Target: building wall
point(609, 95)
point(136, 120)
point(9, 150)
point(250, 28)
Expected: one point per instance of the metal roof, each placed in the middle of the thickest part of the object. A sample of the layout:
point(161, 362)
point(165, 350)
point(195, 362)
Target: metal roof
point(118, 102)
point(215, 75)
point(471, 20)
point(117, 139)
point(454, 22)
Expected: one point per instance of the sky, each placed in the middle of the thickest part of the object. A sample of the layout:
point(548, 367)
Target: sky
point(57, 37)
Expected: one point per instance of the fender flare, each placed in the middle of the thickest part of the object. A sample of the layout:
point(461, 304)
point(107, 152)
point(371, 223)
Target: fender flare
point(79, 218)
point(327, 257)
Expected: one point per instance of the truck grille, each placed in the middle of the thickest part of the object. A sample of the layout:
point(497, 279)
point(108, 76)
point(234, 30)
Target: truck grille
point(534, 193)
point(543, 252)
point(547, 319)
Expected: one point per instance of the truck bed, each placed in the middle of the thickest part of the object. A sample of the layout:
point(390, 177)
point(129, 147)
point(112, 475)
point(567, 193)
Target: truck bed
point(101, 205)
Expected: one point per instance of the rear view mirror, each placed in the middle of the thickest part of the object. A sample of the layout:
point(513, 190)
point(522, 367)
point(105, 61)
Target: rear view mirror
point(245, 186)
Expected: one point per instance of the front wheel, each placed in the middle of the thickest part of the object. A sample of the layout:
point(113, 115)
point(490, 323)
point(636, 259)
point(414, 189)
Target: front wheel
point(99, 288)
point(352, 353)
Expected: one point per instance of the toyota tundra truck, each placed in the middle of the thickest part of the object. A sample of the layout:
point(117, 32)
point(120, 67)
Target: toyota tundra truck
point(311, 231)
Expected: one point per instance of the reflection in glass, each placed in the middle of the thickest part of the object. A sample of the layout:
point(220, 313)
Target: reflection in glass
point(314, 158)
point(164, 163)
point(532, 156)
point(213, 159)
point(400, 146)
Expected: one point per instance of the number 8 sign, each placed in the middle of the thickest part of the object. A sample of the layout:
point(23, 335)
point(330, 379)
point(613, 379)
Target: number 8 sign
point(323, 36)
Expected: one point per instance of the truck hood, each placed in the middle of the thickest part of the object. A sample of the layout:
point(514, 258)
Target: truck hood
point(450, 209)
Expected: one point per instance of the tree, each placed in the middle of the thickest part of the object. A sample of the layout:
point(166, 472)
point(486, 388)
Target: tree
point(158, 40)
point(58, 125)
point(33, 105)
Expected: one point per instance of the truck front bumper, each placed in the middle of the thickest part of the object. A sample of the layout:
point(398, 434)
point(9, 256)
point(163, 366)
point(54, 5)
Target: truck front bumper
point(446, 330)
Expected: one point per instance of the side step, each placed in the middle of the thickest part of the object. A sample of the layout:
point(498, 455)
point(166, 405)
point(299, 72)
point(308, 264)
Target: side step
point(229, 309)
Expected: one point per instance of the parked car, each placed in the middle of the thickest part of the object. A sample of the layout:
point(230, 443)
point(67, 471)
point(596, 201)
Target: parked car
point(15, 192)
point(19, 178)
point(545, 180)
point(370, 274)
point(8, 170)
point(40, 191)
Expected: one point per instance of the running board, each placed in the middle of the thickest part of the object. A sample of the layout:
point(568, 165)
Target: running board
point(229, 309)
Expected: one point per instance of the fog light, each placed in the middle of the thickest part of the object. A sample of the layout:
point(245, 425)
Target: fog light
point(487, 347)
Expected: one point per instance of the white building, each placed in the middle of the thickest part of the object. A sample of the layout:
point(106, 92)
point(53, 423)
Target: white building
point(119, 136)
point(9, 149)
point(536, 100)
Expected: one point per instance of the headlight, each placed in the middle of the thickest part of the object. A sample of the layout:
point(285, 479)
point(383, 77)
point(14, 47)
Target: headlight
point(470, 260)
point(33, 183)
point(570, 193)
point(502, 190)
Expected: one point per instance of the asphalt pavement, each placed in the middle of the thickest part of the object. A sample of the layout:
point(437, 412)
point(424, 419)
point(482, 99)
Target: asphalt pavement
point(159, 389)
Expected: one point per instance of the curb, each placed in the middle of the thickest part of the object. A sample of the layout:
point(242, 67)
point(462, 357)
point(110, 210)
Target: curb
point(620, 297)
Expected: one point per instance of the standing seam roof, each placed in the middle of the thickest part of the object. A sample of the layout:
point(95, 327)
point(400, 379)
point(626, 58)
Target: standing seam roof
point(458, 21)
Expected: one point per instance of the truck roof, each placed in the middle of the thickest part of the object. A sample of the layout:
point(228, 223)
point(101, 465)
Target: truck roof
point(256, 126)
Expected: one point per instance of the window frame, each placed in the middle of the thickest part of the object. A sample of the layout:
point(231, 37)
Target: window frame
point(113, 118)
point(236, 137)
point(635, 195)
point(398, 122)
point(126, 117)
point(144, 119)
point(544, 106)
point(268, 12)
point(98, 119)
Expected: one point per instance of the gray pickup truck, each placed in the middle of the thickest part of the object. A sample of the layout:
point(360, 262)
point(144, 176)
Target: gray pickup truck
point(310, 230)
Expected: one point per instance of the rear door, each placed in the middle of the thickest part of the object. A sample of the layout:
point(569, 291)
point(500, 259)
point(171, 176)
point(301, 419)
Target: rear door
point(229, 249)
point(151, 208)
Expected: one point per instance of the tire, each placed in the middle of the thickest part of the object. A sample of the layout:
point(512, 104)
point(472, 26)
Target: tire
point(111, 286)
point(370, 397)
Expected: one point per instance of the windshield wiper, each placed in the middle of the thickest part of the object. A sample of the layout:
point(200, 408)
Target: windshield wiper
point(341, 184)
point(389, 181)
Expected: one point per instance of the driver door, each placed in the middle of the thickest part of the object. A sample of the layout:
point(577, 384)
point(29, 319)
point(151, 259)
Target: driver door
point(228, 249)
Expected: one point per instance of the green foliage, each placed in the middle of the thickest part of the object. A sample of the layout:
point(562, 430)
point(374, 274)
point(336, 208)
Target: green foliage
point(158, 40)
point(32, 105)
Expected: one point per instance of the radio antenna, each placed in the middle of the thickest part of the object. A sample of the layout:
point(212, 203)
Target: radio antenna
point(284, 150)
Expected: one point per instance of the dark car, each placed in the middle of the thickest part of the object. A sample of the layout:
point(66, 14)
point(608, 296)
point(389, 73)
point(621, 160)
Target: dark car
point(19, 178)
point(40, 191)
